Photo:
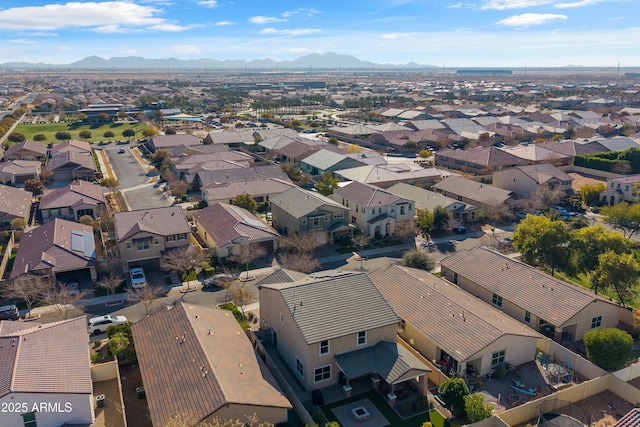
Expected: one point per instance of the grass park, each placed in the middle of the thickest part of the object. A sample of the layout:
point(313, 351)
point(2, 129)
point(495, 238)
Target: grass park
point(97, 130)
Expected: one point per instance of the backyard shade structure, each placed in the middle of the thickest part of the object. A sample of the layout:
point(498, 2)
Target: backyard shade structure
point(391, 361)
point(185, 117)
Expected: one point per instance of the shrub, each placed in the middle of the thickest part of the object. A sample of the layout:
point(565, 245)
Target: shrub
point(452, 392)
point(609, 348)
point(418, 258)
point(96, 358)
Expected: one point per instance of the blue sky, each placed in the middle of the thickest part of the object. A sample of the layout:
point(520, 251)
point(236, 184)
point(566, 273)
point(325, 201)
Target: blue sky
point(437, 32)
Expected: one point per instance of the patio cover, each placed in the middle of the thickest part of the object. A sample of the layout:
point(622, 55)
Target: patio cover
point(390, 360)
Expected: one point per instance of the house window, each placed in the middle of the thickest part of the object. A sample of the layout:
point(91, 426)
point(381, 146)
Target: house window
point(497, 300)
point(455, 278)
point(299, 367)
point(70, 211)
point(324, 347)
point(527, 316)
point(401, 210)
point(326, 218)
point(142, 245)
point(410, 206)
point(362, 337)
point(596, 322)
point(316, 222)
point(171, 238)
point(304, 221)
point(542, 322)
point(353, 220)
point(497, 357)
point(156, 242)
point(29, 419)
point(281, 318)
point(322, 374)
point(182, 236)
point(473, 216)
point(338, 215)
point(128, 245)
point(379, 210)
point(347, 204)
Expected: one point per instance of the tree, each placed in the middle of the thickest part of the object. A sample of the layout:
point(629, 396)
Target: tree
point(440, 219)
point(327, 184)
point(183, 259)
point(128, 133)
point(122, 115)
point(39, 137)
point(110, 263)
point(18, 224)
point(354, 149)
point(111, 183)
point(303, 262)
point(247, 254)
point(103, 117)
point(150, 131)
point(588, 243)
point(86, 220)
point(28, 288)
point(452, 392)
point(63, 136)
point(299, 242)
point(545, 196)
point(361, 241)
point(35, 186)
point(146, 296)
point(84, 134)
point(16, 137)
point(170, 131)
point(108, 134)
point(609, 348)
point(110, 282)
point(245, 201)
point(475, 407)
point(405, 229)
point(226, 281)
point(181, 420)
point(45, 174)
point(418, 258)
point(589, 193)
point(64, 299)
point(425, 221)
point(624, 217)
point(617, 272)
point(542, 241)
point(241, 296)
point(425, 154)
point(177, 187)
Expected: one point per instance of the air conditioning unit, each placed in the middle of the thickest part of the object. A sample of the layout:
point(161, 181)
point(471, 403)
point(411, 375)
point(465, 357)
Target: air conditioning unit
point(101, 401)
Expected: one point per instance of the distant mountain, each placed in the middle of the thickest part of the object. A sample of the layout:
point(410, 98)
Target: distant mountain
point(316, 61)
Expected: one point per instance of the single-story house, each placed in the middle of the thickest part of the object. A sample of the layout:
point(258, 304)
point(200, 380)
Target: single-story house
point(16, 172)
point(73, 201)
point(484, 196)
point(163, 142)
point(14, 203)
point(27, 150)
point(70, 165)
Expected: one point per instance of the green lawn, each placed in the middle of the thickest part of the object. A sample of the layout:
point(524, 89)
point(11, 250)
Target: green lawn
point(97, 130)
point(583, 280)
point(395, 421)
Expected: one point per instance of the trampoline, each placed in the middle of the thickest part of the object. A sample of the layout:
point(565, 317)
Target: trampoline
point(559, 420)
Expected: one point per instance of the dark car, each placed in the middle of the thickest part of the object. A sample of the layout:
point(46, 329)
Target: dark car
point(9, 312)
point(460, 229)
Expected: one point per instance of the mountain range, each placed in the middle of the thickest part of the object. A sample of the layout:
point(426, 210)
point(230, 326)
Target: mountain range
point(316, 61)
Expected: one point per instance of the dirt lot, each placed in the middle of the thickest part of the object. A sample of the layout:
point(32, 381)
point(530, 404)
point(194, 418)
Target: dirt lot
point(137, 410)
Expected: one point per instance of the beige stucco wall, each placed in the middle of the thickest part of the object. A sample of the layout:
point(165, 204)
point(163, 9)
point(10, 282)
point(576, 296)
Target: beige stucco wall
point(610, 316)
point(282, 220)
point(244, 412)
point(154, 251)
point(291, 343)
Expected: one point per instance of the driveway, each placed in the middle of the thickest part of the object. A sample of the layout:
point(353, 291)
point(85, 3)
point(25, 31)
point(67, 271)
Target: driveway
point(134, 182)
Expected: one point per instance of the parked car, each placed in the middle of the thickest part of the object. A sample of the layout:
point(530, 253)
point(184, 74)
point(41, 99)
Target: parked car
point(138, 279)
point(562, 211)
point(459, 229)
point(100, 324)
point(9, 312)
point(521, 214)
point(121, 151)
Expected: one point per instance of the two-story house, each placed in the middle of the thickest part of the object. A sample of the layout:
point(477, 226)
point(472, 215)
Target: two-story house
point(526, 180)
point(46, 376)
point(545, 303)
point(334, 326)
point(620, 189)
point(298, 210)
point(372, 209)
point(145, 234)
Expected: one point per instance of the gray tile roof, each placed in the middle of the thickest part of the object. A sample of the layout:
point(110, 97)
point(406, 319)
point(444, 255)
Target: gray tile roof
point(472, 190)
point(390, 360)
point(161, 221)
point(35, 146)
point(324, 159)
point(76, 193)
point(209, 177)
point(298, 202)
point(258, 187)
point(370, 174)
point(542, 173)
point(66, 158)
point(523, 285)
point(59, 244)
point(195, 359)
point(281, 275)
point(489, 157)
point(14, 202)
point(339, 304)
point(72, 145)
point(32, 360)
point(454, 320)
point(426, 199)
point(167, 141)
point(366, 195)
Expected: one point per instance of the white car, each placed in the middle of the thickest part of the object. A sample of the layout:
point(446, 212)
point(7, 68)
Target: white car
point(138, 279)
point(98, 325)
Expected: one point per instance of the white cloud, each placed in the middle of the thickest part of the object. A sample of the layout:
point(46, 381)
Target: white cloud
point(185, 49)
point(170, 27)
point(208, 3)
point(113, 28)
point(580, 3)
point(265, 19)
point(290, 32)
point(76, 14)
point(530, 19)
point(301, 11)
point(513, 4)
point(298, 50)
point(42, 34)
point(391, 36)
point(456, 6)
point(224, 23)
point(21, 41)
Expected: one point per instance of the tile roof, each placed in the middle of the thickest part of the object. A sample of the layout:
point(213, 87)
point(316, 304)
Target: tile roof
point(332, 304)
point(281, 275)
point(366, 195)
point(71, 157)
point(59, 244)
point(299, 202)
point(534, 152)
point(324, 159)
point(426, 199)
point(161, 221)
point(525, 286)
point(472, 190)
point(33, 362)
point(542, 173)
point(15, 201)
point(208, 177)
point(483, 156)
point(630, 419)
point(195, 359)
point(229, 155)
point(71, 145)
point(454, 320)
point(29, 145)
point(227, 223)
point(572, 148)
point(370, 174)
point(168, 141)
point(258, 187)
point(21, 167)
point(74, 194)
